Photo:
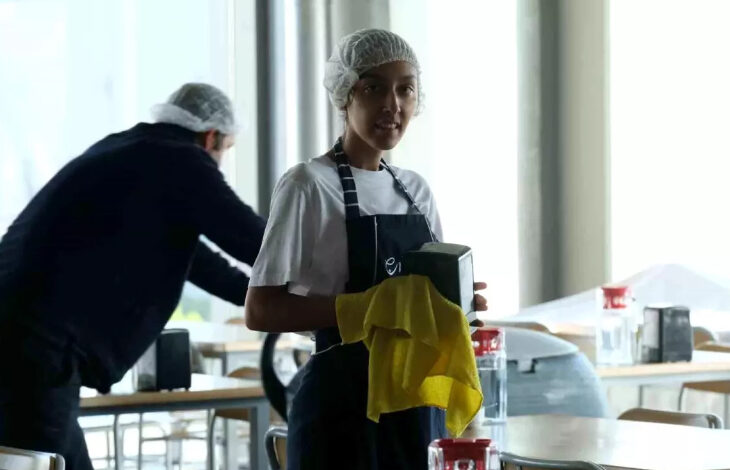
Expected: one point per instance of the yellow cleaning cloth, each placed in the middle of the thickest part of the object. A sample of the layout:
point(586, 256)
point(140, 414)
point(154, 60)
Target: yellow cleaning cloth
point(420, 349)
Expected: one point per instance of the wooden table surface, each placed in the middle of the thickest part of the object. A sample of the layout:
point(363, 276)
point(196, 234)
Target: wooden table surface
point(705, 365)
point(613, 443)
point(206, 392)
point(203, 388)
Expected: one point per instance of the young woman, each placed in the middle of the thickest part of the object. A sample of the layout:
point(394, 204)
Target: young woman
point(337, 224)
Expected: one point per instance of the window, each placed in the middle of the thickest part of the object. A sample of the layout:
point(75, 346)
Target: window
point(670, 153)
point(465, 140)
point(74, 71)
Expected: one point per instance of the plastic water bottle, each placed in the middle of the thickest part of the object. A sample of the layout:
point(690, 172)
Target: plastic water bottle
point(491, 359)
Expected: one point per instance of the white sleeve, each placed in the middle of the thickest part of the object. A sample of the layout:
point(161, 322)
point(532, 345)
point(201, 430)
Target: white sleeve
point(289, 237)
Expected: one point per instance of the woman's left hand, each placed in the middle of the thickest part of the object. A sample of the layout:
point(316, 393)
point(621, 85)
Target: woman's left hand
point(480, 302)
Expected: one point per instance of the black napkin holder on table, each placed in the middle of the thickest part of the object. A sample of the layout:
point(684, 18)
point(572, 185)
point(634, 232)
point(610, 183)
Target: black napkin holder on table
point(166, 363)
point(666, 334)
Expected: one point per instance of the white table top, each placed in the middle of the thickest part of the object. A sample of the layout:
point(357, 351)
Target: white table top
point(613, 443)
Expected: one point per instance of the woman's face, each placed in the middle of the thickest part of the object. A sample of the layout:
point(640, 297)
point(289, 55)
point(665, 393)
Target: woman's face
point(382, 104)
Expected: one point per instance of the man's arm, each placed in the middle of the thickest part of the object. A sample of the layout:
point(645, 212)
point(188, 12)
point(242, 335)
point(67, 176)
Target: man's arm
point(214, 209)
point(212, 273)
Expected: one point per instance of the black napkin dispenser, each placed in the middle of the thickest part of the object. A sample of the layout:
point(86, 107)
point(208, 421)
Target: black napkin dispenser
point(451, 269)
point(166, 363)
point(666, 335)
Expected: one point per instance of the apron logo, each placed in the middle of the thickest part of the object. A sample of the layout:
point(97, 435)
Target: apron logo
point(392, 266)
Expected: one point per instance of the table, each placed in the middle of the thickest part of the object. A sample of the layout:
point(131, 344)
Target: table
point(613, 443)
point(207, 392)
point(705, 366)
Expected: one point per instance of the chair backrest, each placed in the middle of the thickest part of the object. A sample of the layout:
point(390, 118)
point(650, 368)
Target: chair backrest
point(701, 335)
point(253, 373)
point(241, 414)
point(275, 442)
point(275, 390)
point(547, 375)
point(699, 420)
point(511, 461)
point(20, 459)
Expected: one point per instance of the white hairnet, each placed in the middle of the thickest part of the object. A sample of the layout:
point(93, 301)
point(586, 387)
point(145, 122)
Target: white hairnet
point(198, 107)
point(359, 52)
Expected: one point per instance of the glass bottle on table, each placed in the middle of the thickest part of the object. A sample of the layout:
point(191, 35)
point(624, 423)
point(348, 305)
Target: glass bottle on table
point(491, 359)
point(616, 331)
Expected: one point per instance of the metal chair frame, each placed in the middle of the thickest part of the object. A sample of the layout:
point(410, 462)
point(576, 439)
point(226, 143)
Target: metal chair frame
point(535, 464)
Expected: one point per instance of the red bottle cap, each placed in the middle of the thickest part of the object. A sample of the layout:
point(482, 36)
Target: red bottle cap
point(456, 449)
point(487, 340)
point(615, 296)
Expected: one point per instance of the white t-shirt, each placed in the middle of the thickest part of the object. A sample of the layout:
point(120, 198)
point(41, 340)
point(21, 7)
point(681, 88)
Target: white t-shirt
point(305, 242)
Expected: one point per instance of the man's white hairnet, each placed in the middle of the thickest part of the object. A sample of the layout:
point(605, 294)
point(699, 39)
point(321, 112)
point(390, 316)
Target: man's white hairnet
point(359, 52)
point(198, 107)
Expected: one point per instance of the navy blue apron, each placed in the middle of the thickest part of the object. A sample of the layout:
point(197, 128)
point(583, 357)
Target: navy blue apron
point(328, 426)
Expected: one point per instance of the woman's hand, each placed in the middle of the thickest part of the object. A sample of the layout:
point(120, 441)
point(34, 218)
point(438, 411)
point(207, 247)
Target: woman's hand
point(480, 302)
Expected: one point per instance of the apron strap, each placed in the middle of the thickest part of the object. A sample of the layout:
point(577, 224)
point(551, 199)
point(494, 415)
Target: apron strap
point(352, 206)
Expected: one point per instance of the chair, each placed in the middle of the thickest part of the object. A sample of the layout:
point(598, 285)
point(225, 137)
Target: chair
point(511, 461)
point(236, 321)
point(717, 386)
point(238, 414)
point(699, 420)
point(701, 335)
point(278, 394)
point(275, 441)
point(548, 375)
point(19, 459)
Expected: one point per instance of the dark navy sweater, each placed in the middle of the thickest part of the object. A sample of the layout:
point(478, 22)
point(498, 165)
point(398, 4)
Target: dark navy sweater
point(96, 262)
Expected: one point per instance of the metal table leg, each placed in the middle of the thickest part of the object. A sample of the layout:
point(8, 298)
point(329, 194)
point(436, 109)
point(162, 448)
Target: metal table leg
point(118, 445)
point(259, 425)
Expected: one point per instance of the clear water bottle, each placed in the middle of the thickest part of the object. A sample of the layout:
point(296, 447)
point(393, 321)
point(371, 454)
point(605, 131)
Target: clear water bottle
point(616, 332)
point(491, 358)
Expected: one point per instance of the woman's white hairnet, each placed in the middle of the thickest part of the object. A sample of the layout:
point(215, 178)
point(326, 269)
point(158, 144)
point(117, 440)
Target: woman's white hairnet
point(198, 107)
point(359, 52)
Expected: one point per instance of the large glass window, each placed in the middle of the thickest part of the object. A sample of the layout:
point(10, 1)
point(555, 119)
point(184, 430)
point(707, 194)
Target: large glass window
point(465, 140)
point(670, 152)
point(74, 71)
